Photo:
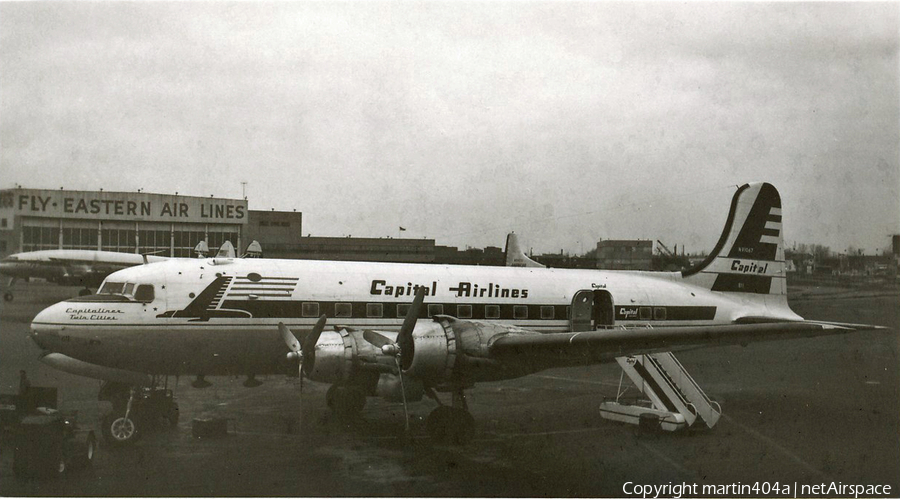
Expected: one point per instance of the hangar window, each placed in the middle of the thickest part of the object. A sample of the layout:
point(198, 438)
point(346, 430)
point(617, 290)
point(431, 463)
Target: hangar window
point(402, 309)
point(435, 309)
point(310, 309)
point(520, 312)
point(374, 310)
point(3, 222)
point(547, 312)
point(464, 311)
point(343, 310)
point(144, 293)
point(492, 312)
point(645, 313)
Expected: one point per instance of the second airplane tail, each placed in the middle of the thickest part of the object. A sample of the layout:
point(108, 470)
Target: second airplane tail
point(749, 256)
point(515, 257)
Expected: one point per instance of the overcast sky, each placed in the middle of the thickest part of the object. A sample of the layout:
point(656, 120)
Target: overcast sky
point(566, 122)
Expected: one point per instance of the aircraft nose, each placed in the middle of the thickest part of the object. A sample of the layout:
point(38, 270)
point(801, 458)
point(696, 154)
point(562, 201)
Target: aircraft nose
point(46, 325)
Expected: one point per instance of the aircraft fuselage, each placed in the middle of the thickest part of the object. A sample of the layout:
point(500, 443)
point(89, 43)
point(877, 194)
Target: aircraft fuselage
point(220, 316)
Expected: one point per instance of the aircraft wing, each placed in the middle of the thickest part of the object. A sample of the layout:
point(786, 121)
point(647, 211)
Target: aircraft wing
point(602, 345)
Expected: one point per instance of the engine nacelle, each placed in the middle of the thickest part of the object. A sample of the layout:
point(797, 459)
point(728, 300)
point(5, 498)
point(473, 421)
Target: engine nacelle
point(335, 352)
point(432, 354)
point(455, 351)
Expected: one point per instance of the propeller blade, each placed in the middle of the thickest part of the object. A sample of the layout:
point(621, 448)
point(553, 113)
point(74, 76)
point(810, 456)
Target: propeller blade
point(409, 323)
point(403, 392)
point(308, 348)
point(289, 339)
point(404, 337)
point(309, 343)
point(376, 339)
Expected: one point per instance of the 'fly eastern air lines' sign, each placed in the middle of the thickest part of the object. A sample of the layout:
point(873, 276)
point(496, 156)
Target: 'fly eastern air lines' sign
point(124, 206)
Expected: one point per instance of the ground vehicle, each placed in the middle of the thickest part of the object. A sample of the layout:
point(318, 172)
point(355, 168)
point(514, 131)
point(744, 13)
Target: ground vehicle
point(50, 444)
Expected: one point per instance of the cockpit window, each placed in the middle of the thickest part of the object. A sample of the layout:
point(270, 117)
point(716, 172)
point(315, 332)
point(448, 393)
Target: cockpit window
point(144, 293)
point(111, 288)
point(139, 292)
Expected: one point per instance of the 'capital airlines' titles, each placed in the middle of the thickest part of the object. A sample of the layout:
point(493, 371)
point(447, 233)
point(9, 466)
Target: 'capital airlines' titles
point(461, 290)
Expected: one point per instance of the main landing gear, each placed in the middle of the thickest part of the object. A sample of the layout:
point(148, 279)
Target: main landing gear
point(135, 411)
point(450, 424)
point(345, 400)
point(8, 295)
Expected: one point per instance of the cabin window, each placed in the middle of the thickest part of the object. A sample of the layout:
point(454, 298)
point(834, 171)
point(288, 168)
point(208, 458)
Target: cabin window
point(112, 288)
point(402, 309)
point(343, 310)
point(659, 313)
point(492, 312)
point(645, 313)
point(144, 293)
point(129, 289)
point(435, 309)
point(520, 312)
point(547, 312)
point(464, 311)
point(310, 309)
point(374, 310)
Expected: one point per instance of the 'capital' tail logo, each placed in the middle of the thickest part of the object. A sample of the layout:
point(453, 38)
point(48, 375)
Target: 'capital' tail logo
point(749, 256)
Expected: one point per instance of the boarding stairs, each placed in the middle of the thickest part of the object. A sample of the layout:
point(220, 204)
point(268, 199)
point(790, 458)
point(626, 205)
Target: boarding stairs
point(675, 399)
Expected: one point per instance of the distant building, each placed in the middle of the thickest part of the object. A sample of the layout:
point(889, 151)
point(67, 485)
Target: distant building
point(130, 222)
point(564, 261)
point(368, 249)
point(624, 254)
point(490, 255)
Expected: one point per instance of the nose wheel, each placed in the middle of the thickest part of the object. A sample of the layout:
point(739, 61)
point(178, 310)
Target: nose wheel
point(136, 410)
point(119, 430)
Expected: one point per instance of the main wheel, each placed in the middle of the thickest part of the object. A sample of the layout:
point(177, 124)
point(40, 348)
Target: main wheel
point(119, 430)
point(8, 296)
point(450, 425)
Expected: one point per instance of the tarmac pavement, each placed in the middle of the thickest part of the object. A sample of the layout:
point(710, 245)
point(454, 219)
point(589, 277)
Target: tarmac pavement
point(803, 411)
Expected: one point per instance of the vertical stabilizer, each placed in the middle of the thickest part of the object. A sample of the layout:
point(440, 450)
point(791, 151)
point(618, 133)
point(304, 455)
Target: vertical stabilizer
point(515, 257)
point(749, 256)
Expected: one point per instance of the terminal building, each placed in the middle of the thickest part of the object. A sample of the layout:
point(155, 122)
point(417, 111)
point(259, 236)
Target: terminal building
point(172, 225)
point(131, 222)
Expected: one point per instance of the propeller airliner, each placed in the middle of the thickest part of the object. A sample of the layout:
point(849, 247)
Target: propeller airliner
point(404, 331)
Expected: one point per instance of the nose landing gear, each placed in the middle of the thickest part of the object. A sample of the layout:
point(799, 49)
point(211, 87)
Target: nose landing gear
point(136, 410)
